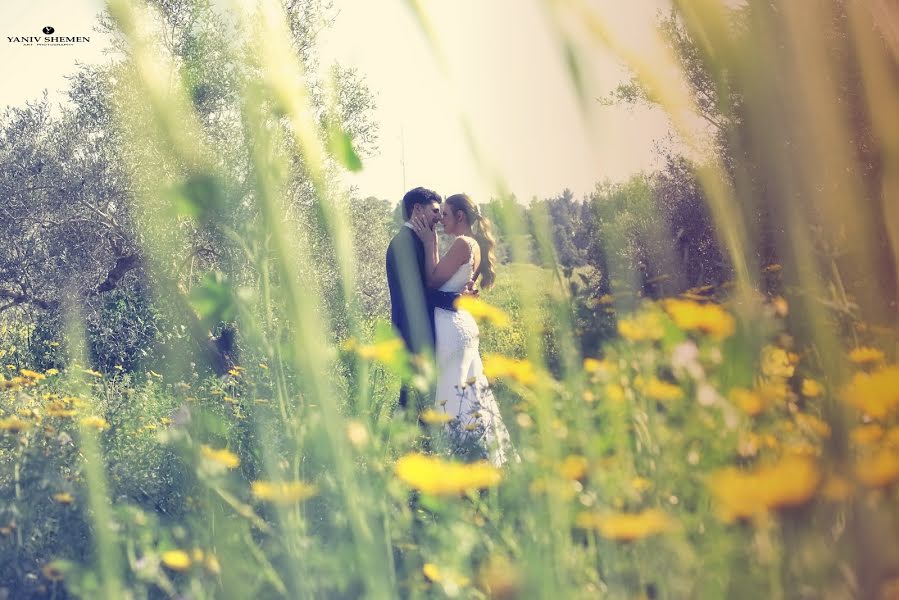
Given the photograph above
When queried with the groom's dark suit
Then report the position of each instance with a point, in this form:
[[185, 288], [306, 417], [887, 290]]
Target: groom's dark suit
[[411, 303]]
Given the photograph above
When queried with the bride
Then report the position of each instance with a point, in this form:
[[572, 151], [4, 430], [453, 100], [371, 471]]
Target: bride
[[476, 430]]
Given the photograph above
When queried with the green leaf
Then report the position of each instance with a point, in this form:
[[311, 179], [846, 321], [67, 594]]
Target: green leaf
[[199, 197], [213, 299], [340, 144]]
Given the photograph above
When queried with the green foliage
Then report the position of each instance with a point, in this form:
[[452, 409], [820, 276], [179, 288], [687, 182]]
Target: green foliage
[[239, 437]]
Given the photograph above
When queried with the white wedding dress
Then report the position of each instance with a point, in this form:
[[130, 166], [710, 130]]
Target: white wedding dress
[[477, 430]]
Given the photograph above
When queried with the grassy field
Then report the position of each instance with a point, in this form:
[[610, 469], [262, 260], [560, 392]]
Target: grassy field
[[735, 440]]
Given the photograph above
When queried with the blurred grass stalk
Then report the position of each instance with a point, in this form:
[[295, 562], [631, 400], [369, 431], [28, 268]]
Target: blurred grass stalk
[[167, 127], [107, 555]]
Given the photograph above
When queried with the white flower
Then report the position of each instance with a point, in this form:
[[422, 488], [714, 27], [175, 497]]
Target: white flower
[[685, 358]]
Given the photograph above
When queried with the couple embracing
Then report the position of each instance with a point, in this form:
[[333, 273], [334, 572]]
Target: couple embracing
[[423, 289]]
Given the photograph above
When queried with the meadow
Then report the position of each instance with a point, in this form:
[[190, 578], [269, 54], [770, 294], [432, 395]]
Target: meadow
[[699, 368]]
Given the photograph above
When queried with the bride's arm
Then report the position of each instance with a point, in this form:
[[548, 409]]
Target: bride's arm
[[439, 270]]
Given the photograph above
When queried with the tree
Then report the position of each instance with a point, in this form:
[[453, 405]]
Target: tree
[[750, 83], [73, 231]]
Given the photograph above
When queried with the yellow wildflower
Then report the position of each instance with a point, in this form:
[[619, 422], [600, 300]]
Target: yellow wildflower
[[811, 388], [708, 318], [383, 352], [497, 366], [223, 457], [263, 366], [878, 470], [749, 402], [803, 449], [433, 417], [644, 327], [176, 560], [33, 375], [574, 467], [212, 564], [773, 390], [92, 373], [13, 424], [449, 579], [614, 392], [98, 423], [58, 408], [234, 372], [865, 355], [776, 362], [482, 311], [741, 494], [593, 365], [283, 492], [438, 477], [640, 484], [626, 527], [813, 424], [866, 434], [662, 390], [876, 394], [64, 498], [51, 371]]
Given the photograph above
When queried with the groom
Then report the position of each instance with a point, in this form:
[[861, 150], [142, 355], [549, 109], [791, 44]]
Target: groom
[[411, 303]]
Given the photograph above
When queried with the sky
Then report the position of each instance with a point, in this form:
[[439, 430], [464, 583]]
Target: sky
[[502, 75]]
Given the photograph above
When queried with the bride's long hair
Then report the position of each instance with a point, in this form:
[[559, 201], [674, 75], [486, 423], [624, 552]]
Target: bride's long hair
[[483, 233]]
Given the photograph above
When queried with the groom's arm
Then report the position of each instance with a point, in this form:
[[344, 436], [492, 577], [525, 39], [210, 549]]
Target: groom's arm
[[444, 300]]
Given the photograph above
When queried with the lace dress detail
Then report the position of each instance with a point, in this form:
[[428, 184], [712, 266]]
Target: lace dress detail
[[477, 431]]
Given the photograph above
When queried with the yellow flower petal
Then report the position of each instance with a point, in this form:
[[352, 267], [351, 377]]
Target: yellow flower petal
[[707, 318], [626, 527], [876, 394], [742, 494], [878, 470], [749, 402], [574, 467], [482, 311], [438, 477], [865, 355], [64, 498], [811, 388], [223, 457], [176, 560], [433, 417], [283, 492], [662, 390], [95, 422]]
